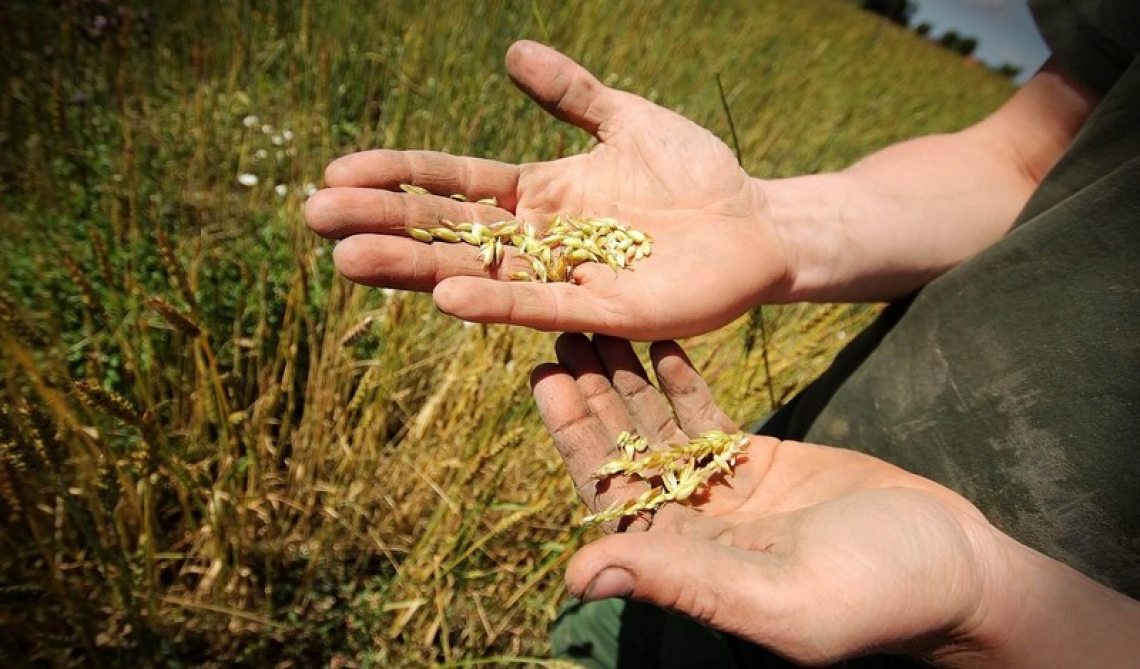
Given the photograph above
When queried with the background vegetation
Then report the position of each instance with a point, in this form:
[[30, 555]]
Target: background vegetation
[[213, 451]]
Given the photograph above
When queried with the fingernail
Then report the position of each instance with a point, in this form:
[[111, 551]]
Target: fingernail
[[611, 582]]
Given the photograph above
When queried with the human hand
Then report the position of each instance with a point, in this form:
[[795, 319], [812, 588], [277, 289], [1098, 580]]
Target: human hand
[[816, 553], [714, 253]]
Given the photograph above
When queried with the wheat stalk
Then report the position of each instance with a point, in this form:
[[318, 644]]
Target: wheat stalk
[[86, 292], [174, 268]]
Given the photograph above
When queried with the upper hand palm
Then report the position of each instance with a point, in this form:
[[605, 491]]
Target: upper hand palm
[[652, 169], [662, 174]]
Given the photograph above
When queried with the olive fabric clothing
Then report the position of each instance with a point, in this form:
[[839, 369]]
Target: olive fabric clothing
[[1013, 378]]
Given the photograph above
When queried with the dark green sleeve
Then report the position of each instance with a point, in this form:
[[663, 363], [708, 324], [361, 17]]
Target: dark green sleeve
[[1095, 40]]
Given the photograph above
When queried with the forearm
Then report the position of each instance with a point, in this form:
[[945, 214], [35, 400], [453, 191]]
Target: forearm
[[1041, 613], [895, 220]]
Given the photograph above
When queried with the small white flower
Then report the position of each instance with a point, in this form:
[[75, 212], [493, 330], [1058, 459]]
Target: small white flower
[[310, 189], [278, 140], [388, 292], [267, 129], [280, 155], [247, 179], [261, 154], [250, 121], [287, 134], [281, 190]]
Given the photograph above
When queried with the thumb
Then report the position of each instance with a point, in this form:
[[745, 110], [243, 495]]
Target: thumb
[[561, 86], [707, 581]]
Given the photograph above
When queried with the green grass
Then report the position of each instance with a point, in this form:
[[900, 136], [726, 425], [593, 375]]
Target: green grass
[[233, 485]]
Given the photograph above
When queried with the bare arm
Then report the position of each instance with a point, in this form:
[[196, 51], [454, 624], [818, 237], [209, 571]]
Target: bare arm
[[723, 241], [902, 216]]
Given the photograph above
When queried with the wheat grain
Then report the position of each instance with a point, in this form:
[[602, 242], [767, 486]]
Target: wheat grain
[[102, 258], [14, 321], [96, 396], [420, 235], [569, 241], [357, 332], [8, 492], [173, 268], [675, 473], [176, 318], [86, 292]]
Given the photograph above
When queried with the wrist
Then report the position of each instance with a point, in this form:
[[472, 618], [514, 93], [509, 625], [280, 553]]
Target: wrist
[[807, 214], [1035, 612]]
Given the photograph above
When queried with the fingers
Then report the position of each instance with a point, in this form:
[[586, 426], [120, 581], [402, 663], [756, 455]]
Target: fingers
[[710, 582], [692, 401], [617, 390], [561, 86], [582, 440], [340, 212], [650, 412], [397, 262], [542, 306], [440, 173], [577, 355]]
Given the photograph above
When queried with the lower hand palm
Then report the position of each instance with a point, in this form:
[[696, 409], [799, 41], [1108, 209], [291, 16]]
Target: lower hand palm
[[691, 196], [652, 169], [817, 553]]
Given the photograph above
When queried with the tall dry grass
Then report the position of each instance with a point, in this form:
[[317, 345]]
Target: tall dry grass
[[213, 450]]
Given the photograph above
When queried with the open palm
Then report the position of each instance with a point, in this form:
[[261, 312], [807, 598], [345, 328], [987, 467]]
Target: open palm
[[652, 169], [817, 553]]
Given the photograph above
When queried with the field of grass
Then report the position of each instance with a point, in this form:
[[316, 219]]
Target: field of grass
[[214, 451]]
